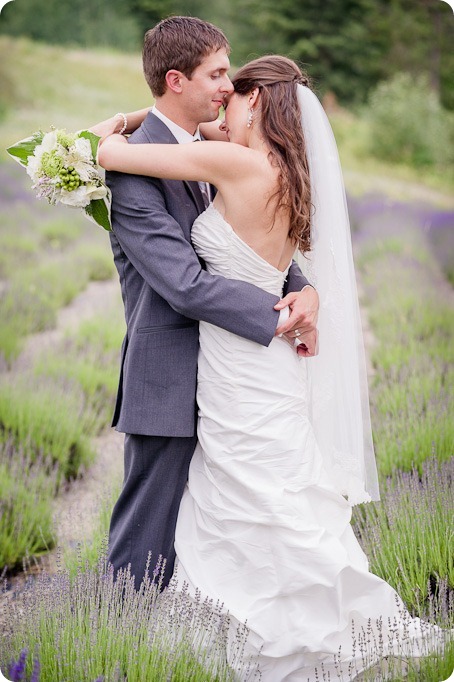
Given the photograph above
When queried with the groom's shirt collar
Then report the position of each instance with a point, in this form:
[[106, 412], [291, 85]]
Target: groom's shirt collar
[[182, 136]]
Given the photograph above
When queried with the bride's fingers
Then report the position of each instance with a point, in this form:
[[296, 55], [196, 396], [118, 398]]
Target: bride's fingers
[[307, 344]]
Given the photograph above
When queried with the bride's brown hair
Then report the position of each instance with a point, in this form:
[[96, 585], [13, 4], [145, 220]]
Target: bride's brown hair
[[280, 120]]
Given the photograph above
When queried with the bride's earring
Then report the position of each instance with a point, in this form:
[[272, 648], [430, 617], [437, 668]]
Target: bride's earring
[[249, 118]]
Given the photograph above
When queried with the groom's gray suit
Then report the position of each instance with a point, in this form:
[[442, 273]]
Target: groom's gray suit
[[165, 292]]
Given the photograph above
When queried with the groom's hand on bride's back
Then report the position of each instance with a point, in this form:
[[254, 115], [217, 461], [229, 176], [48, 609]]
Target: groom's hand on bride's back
[[301, 325]]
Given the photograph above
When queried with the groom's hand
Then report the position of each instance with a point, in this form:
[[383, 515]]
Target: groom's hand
[[301, 325]]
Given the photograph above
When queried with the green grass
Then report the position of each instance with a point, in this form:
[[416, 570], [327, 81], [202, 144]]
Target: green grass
[[414, 357], [47, 256], [46, 263], [96, 259], [49, 420], [59, 233], [27, 487], [409, 536], [421, 509], [67, 88], [14, 249], [89, 360], [88, 552], [91, 626], [67, 397], [23, 311], [104, 333], [364, 173]]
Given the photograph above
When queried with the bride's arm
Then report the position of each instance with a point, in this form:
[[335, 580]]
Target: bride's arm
[[214, 162], [115, 123], [134, 119]]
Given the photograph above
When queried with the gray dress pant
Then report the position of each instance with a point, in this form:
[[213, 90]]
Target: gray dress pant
[[145, 514]]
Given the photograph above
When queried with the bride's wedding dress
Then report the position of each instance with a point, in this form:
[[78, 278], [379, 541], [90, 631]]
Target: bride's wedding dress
[[261, 526]]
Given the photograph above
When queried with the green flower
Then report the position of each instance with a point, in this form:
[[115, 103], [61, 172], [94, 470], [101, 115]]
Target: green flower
[[51, 163], [65, 139]]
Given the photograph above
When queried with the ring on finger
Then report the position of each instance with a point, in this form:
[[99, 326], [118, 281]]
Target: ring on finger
[[297, 332]]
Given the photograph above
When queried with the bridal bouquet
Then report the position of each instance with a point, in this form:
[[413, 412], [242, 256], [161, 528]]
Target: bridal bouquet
[[63, 169]]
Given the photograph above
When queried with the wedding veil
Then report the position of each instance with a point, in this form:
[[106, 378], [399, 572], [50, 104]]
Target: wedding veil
[[338, 394]]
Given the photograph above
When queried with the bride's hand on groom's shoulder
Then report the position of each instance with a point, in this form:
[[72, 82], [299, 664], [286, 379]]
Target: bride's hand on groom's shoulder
[[301, 324], [106, 128]]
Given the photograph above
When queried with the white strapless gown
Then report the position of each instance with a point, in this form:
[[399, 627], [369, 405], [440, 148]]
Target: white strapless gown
[[261, 528]]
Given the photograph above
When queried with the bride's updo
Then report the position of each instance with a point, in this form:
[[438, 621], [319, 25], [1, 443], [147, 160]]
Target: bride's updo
[[280, 121]]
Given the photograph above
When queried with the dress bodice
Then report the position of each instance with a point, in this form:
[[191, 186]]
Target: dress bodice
[[226, 254]]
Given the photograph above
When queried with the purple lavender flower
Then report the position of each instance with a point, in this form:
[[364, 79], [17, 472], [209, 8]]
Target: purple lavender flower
[[36, 671], [17, 669]]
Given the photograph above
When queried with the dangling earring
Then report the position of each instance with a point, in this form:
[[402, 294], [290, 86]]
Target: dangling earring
[[249, 118]]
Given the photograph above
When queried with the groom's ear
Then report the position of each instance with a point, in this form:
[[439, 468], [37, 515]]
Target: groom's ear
[[174, 80]]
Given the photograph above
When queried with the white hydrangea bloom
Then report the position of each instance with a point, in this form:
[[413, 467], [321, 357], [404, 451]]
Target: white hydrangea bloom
[[82, 196], [33, 168], [34, 162], [83, 149]]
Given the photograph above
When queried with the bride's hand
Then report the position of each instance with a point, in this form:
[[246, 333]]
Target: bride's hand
[[108, 127]]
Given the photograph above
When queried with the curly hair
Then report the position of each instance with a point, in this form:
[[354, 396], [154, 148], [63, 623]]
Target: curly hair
[[280, 120]]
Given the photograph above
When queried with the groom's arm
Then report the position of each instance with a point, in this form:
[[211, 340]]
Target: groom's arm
[[296, 281], [155, 244], [303, 300]]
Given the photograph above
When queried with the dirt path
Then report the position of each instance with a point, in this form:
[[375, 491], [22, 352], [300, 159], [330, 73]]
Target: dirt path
[[75, 507]]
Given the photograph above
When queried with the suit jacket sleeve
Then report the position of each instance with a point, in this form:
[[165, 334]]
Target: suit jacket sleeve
[[295, 279], [156, 245]]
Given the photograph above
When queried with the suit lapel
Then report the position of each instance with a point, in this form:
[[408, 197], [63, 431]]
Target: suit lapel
[[194, 191], [156, 131]]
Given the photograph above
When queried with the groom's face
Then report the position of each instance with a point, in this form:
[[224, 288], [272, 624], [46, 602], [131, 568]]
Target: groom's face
[[204, 93]]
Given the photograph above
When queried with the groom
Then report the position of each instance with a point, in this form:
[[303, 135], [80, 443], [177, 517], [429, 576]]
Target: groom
[[166, 291]]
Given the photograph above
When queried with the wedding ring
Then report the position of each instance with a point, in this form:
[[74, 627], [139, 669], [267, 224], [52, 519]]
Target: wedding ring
[[297, 332]]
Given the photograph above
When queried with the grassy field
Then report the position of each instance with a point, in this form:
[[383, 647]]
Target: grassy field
[[50, 409], [67, 88]]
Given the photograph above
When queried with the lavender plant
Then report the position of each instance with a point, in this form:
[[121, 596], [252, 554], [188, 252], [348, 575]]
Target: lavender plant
[[88, 360], [45, 260], [95, 626], [412, 316], [408, 537], [27, 486], [49, 419], [16, 672]]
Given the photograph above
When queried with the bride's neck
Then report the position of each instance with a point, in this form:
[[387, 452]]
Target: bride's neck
[[257, 141]]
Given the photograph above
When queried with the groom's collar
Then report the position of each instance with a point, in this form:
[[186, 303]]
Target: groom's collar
[[180, 134]]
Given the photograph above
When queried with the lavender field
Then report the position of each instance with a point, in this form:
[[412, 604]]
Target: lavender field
[[57, 387], [404, 259]]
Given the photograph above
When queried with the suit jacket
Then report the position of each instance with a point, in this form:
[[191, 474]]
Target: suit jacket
[[165, 292]]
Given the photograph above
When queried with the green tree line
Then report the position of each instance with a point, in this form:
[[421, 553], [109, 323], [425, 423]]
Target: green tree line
[[347, 46]]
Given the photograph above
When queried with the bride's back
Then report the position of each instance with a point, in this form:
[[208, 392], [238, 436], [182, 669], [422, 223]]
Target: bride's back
[[251, 209]]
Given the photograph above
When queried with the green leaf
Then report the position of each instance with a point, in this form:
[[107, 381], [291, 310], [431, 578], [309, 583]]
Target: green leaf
[[94, 142], [25, 148], [97, 210]]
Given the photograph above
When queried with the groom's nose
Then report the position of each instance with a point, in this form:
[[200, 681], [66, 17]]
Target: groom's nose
[[227, 86]]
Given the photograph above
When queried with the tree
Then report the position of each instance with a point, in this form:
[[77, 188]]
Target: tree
[[99, 22]]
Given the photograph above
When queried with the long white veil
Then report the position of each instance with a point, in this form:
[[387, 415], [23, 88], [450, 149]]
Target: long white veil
[[338, 393]]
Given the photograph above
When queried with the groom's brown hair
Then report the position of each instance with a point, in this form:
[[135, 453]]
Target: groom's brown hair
[[179, 43]]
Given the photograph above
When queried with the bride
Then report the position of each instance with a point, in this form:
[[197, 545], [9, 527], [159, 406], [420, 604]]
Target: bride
[[284, 447]]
